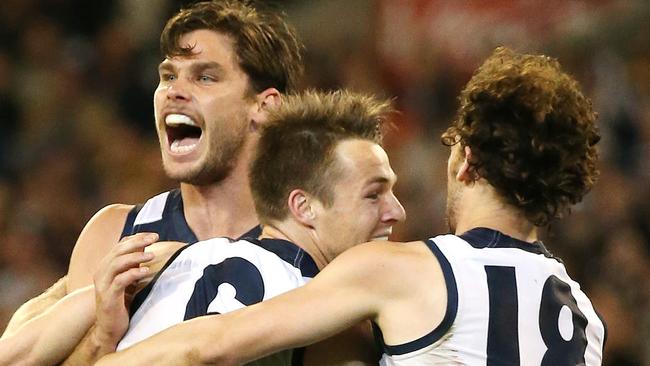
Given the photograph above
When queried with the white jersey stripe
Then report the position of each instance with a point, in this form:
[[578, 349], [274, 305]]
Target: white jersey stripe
[[152, 210]]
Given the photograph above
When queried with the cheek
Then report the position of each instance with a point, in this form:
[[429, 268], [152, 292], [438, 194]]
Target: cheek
[[158, 99], [367, 220]]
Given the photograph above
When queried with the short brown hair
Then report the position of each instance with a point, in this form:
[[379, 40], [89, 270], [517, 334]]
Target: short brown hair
[[532, 133], [296, 146], [267, 48]]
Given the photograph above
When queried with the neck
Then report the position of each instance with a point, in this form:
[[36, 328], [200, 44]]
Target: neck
[[224, 208], [481, 207], [295, 233]]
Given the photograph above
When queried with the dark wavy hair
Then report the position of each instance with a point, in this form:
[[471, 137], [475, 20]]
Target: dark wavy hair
[[532, 133], [267, 47], [297, 144]]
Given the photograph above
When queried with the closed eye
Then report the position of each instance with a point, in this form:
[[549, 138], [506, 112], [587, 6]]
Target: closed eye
[[372, 196]]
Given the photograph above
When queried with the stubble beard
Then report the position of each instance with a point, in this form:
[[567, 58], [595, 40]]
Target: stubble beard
[[217, 165]]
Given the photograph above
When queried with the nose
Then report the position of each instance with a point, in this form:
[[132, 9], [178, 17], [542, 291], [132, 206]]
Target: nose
[[394, 212], [178, 91]]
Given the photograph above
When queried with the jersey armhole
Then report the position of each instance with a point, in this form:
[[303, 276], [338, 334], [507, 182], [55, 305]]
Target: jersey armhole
[[130, 219], [450, 314]]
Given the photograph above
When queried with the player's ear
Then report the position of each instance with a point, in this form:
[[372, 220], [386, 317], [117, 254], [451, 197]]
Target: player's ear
[[300, 206], [264, 101], [466, 172]]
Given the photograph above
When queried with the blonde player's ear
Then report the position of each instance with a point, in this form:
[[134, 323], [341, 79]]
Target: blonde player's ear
[[466, 172], [300, 206], [264, 101]]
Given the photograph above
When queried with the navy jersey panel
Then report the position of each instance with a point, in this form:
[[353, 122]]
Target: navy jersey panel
[[163, 214]]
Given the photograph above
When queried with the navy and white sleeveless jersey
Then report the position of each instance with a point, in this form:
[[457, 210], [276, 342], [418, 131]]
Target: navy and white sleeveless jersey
[[508, 303], [217, 276], [163, 214]]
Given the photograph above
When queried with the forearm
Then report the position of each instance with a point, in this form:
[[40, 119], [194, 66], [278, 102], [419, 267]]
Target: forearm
[[36, 306], [177, 346], [48, 338], [89, 350]]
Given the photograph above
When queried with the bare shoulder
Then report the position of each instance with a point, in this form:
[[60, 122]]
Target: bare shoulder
[[413, 290], [101, 232], [389, 263], [389, 254]]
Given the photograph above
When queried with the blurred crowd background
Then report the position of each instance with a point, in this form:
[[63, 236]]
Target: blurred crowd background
[[76, 122]]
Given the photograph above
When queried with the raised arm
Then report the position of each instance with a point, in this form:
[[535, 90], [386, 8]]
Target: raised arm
[[346, 292]]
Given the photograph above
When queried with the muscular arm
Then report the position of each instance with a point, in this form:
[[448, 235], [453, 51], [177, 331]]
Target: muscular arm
[[48, 327], [345, 293], [36, 306], [49, 337], [120, 271], [97, 238]]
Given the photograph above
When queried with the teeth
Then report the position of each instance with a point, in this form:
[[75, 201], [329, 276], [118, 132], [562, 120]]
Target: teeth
[[176, 147], [179, 119]]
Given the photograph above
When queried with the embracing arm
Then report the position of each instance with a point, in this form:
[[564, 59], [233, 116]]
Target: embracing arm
[[96, 239], [36, 306], [30, 323], [342, 295], [99, 236], [119, 272], [49, 337]]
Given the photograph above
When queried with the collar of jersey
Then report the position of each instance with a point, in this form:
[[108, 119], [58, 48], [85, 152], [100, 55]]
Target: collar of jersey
[[482, 237], [290, 253]]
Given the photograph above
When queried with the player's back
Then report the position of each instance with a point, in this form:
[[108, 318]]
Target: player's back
[[217, 276], [509, 303]]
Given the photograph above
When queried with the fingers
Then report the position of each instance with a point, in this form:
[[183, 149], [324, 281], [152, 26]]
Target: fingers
[[127, 261], [120, 267], [135, 242], [123, 280]]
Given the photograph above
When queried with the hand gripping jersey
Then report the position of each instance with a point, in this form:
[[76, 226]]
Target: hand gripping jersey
[[509, 303], [217, 276], [163, 214]]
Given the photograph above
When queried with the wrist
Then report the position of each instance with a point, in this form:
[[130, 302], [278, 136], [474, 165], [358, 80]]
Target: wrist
[[103, 343]]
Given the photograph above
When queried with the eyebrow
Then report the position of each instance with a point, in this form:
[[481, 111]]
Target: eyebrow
[[194, 67], [165, 65], [382, 180], [205, 65]]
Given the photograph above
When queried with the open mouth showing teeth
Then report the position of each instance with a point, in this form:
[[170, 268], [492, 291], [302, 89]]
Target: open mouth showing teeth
[[182, 133]]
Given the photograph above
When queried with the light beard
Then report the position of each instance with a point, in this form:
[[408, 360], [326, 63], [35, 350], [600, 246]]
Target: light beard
[[222, 158]]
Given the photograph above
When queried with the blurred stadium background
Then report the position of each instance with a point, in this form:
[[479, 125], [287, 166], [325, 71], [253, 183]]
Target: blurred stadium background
[[76, 122]]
